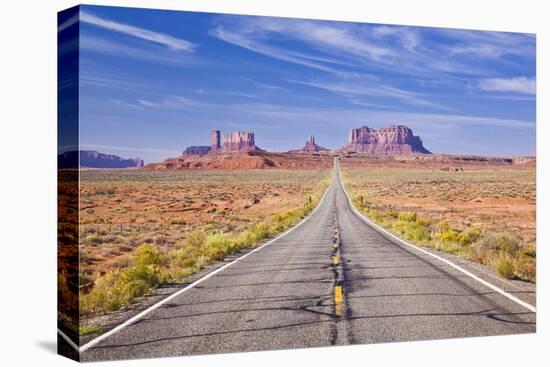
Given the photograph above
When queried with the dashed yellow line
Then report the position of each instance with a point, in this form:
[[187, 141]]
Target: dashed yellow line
[[335, 260], [338, 300]]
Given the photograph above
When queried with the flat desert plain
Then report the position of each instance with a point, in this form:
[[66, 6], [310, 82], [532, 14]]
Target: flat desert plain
[[179, 221], [484, 211]]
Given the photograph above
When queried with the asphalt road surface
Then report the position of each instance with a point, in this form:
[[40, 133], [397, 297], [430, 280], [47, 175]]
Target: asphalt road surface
[[333, 280]]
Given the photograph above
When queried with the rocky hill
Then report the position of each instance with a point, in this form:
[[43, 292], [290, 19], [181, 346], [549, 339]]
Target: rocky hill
[[310, 147], [245, 160], [395, 139], [94, 159]]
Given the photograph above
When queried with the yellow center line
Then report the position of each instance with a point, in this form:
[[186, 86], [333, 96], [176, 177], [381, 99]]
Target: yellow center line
[[335, 260], [338, 300]]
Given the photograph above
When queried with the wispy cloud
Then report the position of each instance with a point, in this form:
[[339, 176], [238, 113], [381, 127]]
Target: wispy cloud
[[173, 43], [521, 85], [160, 55], [357, 88], [250, 44], [174, 102], [487, 44], [348, 49]]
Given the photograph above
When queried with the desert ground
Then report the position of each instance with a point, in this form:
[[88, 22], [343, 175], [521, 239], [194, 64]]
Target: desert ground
[[483, 210], [141, 228], [171, 213]]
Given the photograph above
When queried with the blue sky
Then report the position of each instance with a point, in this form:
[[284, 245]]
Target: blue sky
[[153, 82]]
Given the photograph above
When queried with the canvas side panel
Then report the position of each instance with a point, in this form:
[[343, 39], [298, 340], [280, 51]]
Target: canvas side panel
[[68, 181]]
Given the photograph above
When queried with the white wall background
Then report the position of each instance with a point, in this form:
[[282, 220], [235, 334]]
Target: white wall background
[[28, 180]]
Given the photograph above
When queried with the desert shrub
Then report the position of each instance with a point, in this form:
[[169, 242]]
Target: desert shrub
[[443, 226], [470, 236], [526, 263], [528, 251], [253, 235], [500, 242], [505, 267], [526, 268], [447, 236], [453, 248], [277, 218], [120, 287], [195, 239], [217, 246], [407, 217], [411, 230], [180, 221], [146, 255], [426, 222]]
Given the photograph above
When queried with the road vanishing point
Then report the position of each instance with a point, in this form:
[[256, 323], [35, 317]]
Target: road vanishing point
[[334, 279]]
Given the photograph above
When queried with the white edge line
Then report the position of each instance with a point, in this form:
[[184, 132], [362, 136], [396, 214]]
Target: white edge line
[[133, 319], [471, 275], [67, 339]]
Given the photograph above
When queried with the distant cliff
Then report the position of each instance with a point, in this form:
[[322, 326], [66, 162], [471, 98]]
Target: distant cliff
[[94, 159], [395, 139], [239, 141]]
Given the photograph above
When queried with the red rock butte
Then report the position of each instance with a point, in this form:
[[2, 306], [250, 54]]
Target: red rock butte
[[310, 147], [394, 139], [237, 141]]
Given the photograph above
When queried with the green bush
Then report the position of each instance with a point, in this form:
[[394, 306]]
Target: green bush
[[146, 255], [217, 246], [411, 230]]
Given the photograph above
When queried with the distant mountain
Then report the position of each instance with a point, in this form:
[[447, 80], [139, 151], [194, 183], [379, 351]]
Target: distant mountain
[[395, 139], [94, 159]]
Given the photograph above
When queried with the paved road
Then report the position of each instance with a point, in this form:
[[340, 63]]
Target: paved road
[[302, 290]]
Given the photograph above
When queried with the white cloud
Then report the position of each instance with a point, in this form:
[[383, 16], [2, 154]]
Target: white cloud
[[354, 89], [173, 43], [488, 44], [522, 85], [247, 42], [161, 55], [344, 49]]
